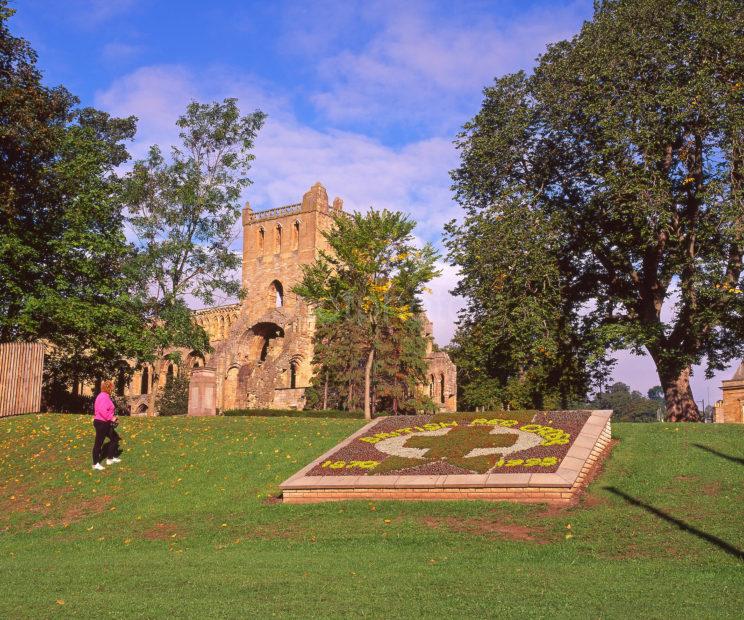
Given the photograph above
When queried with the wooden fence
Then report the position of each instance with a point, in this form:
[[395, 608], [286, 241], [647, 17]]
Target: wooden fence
[[21, 373]]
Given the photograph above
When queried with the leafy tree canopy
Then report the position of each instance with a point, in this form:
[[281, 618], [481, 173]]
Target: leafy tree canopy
[[183, 210], [369, 282], [625, 152], [63, 255]]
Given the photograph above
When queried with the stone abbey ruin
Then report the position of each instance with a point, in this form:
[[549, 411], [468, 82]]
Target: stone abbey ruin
[[262, 348]]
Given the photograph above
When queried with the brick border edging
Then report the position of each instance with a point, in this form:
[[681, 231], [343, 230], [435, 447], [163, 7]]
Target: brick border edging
[[560, 487]]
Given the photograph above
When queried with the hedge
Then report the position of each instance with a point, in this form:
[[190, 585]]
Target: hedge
[[273, 413]]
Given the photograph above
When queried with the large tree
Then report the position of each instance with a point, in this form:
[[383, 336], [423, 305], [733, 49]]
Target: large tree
[[183, 210], [627, 143], [63, 254], [371, 280]]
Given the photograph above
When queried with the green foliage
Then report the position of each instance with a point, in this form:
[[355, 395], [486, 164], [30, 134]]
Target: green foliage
[[619, 166], [174, 399], [366, 294], [64, 274], [294, 413], [183, 210], [626, 405]]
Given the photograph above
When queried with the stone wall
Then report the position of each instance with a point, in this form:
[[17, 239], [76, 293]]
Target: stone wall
[[731, 408], [263, 347]]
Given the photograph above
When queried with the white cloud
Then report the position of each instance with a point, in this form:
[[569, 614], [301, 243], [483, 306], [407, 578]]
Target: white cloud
[[92, 13], [422, 69], [290, 157], [441, 307]]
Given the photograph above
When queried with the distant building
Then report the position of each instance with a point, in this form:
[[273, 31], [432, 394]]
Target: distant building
[[731, 408], [263, 347]]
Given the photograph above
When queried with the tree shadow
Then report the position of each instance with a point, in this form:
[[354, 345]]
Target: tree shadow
[[723, 455], [685, 527]]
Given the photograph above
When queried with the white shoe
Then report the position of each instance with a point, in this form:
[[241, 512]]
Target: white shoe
[[112, 461], [99, 467]]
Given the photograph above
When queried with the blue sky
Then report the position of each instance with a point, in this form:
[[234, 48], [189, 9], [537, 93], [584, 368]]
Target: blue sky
[[365, 97]]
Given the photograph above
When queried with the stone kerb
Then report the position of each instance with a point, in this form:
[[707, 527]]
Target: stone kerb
[[560, 487]]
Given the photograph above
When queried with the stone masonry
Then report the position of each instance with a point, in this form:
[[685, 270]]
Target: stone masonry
[[262, 347], [731, 408]]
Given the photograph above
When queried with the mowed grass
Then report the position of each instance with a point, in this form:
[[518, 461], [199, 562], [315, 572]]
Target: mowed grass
[[187, 526]]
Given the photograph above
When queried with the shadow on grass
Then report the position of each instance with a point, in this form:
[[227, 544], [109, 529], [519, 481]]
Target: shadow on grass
[[723, 455], [685, 527]]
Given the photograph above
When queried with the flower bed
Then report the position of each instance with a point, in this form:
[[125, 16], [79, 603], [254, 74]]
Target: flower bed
[[451, 444]]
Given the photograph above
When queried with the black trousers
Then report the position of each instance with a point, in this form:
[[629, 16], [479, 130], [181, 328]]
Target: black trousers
[[104, 430]]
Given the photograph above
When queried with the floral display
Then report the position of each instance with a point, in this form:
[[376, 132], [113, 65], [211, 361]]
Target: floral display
[[510, 442]]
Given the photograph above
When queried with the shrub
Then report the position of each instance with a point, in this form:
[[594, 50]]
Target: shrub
[[175, 397], [273, 413]]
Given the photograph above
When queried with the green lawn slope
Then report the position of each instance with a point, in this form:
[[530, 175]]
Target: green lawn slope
[[188, 526]]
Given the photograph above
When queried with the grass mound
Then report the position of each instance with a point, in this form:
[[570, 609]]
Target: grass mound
[[188, 526]]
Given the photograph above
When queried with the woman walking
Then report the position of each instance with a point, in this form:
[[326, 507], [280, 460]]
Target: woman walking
[[104, 421]]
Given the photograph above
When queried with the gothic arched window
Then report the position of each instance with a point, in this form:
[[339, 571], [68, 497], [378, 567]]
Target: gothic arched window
[[293, 374], [278, 239], [261, 236], [296, 235], [276, 291], [145, 382]]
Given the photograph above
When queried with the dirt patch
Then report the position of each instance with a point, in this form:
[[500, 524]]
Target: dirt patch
[[686, 478], [272, 499], [490, 528], [81, 509], [51, 507], [163, 531], [712, 489]]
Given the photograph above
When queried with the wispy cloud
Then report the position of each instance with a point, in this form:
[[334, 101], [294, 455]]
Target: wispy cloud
[[291, 156], [91, 13], [424, 68]]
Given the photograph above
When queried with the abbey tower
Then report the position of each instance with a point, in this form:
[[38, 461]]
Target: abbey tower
[[262, 347]]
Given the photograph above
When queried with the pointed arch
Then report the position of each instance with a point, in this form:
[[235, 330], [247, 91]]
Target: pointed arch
[[260, 242], [276, 294], [296, 235], [145, 381], [278, 239]]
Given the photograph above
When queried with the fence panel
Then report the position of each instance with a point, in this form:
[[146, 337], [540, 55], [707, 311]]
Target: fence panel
[[21, 374]]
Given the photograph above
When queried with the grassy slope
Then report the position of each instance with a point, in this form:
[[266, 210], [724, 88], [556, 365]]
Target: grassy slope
[[183, 528]]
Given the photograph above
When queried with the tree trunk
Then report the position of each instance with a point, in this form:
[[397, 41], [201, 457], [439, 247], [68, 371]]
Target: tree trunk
[[325, 392], [680, 404], [368, 384]]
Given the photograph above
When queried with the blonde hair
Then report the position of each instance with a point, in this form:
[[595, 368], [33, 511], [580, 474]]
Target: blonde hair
[[108, 387]]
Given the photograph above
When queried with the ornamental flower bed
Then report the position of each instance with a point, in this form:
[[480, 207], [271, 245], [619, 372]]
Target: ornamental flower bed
[[451, 444]]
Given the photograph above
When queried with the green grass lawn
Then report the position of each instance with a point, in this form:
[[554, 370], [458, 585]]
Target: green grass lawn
[[187, 526]]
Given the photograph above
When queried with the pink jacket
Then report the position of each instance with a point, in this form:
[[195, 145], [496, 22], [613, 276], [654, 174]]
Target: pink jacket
[[104, 408]]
